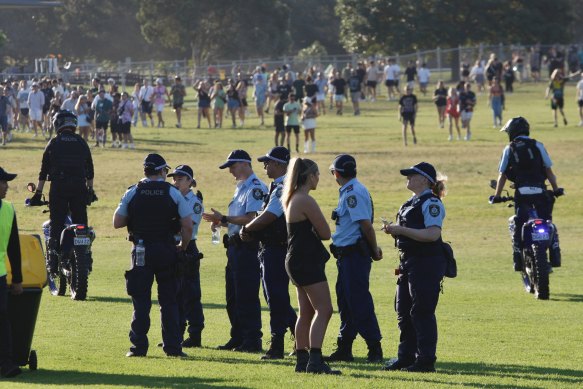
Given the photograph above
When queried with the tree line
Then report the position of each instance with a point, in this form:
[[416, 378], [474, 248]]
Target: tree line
[[209, 30]]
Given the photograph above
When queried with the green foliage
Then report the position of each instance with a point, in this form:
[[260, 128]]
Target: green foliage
[[314, 50], [399, 25], [491, 333]]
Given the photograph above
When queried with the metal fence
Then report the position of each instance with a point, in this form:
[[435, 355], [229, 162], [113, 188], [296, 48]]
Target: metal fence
[[445, 63]]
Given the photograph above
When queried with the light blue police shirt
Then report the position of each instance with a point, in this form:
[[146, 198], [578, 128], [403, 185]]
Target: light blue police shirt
[[274, 205], [433, 211], [354, 205], [248, 197], [197, 208], [183, 208], [506, 155]]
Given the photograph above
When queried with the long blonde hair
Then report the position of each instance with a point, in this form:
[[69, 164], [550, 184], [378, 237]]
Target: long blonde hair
[[439, 188], [298, 172]]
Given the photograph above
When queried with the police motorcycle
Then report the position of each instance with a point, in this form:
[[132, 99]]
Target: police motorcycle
[[75, 257], [537, 238]]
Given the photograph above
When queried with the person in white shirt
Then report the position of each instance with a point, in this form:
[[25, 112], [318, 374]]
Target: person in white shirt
[[392, 73], [36, 101], [71, 101], [580, 99], [371, 81], [423, 75], [22, 97], [145, 99]]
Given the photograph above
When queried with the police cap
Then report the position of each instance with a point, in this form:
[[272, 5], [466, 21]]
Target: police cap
[[5, 176], [236, 156], [423, 168], [344, 164], [278, 154], [155, 161]]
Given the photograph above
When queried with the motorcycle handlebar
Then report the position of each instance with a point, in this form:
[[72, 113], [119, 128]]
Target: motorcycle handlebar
[[500, 199]]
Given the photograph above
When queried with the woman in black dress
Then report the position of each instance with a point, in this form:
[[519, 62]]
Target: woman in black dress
[[305, 262]]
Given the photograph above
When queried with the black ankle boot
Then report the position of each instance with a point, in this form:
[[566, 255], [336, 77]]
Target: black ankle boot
[[302, 357], [343, 351], [275, 349], [316, 364], [375, 352]]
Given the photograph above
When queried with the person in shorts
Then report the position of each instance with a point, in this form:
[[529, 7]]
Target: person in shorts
[[339, 84], [145, 98], [114, 122], [292, 110], [408, 110], [36, 101], [178, 91], [103, 107], [279, 120]]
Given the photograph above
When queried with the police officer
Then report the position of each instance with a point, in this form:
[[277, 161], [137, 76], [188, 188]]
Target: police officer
[[271, 230], [153, 211], [527, 164], [353, 245], [422, 267], [189, 296], [242, 271], [9, 244], [67, 163]]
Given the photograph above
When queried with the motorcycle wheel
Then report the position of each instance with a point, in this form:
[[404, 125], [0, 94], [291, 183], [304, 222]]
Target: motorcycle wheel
[[527, 271], [57, 285], [541, 284], [79, 276]]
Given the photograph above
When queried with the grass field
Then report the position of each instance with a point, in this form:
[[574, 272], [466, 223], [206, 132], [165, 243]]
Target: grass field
[[491, 333]]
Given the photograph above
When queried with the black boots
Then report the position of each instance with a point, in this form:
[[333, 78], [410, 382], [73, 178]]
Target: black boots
[[375, 352], [343, 352], [275, 349], [316, 364], [193, 340], [302, 357], [231, 344]]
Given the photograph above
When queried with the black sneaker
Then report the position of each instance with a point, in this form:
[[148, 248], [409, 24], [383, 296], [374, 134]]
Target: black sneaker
[[230, 345]]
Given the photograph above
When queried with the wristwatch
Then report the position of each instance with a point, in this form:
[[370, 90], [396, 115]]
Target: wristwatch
[[224, 219]]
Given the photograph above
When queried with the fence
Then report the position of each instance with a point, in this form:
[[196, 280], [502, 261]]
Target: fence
[[444, 63]]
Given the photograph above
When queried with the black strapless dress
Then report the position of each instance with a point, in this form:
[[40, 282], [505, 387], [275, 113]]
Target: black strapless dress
[[306, 255]]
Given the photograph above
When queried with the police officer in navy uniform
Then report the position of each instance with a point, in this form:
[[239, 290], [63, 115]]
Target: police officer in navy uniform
[[153, 211], [271, 230], [527, 164], [354, 246], [67, 163], [189, 295], [417, 232], [242, 272]]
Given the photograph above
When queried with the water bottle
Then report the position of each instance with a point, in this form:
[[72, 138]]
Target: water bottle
[[140, 253], [216, 235]]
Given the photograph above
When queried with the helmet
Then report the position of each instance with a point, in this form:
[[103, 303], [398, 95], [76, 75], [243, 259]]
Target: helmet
[[64, 119], [515, 127]]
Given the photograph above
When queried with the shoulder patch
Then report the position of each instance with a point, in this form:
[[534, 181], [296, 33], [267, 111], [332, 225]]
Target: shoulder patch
[[278, 192], [256, 181], [351, 201], [434, 210], [197, 208], [349, 188], [257, 194]]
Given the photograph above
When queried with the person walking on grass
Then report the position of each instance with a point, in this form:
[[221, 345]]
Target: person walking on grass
[[408, 112]]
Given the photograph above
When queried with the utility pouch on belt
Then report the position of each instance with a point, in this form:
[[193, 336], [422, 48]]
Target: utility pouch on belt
[[450, 263], [335, 251], [226, 241]]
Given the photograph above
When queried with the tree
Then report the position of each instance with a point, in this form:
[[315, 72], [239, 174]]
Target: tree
[[213, 29], [399, 25]]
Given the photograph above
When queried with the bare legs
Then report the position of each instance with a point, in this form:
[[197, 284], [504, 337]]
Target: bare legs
[[315, 311]]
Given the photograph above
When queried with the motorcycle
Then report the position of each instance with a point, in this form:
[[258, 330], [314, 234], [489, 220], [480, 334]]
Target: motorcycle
[[74, 257], [538, 237]]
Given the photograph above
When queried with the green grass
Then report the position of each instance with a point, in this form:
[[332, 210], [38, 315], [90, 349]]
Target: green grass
[[491, 333]]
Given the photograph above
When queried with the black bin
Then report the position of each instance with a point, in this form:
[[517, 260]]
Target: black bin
[[23, 310]]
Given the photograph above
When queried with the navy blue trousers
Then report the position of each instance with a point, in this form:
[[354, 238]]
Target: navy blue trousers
[[276, 288], [418, 289], [189, 298], [355, 304], [5, 330], [242, 279], [160, 263]]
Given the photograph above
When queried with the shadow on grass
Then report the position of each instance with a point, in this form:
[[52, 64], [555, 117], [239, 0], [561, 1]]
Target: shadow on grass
[[82, 378], [128, 300], [577, 298], [535, 374]]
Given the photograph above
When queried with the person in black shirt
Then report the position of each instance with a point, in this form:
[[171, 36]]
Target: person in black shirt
[[283, 89], [311, 89], [408, 111], [467, 103], [354, 84], [410, 74], [440, 100], [339, 85], [298, 86], [279, 120], [67, 163], [49, 94], [9, 244]]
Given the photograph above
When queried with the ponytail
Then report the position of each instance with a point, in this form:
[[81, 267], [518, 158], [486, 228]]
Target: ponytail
[[298, 172], [439, 188]]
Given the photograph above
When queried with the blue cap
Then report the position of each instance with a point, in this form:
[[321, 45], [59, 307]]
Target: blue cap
[[236, 156], [423, 168], [155, 161], [278, 154], [344, 163]]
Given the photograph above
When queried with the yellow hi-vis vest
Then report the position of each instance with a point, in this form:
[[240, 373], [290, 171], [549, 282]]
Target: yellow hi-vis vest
[[6, 218]]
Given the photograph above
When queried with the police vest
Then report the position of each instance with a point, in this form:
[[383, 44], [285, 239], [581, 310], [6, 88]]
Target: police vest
[[68, 157], [411, 215], [276, 232], [152, 213], [525, 164], [6, 218]]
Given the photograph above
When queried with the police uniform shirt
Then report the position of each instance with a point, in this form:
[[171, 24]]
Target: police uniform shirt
[[197, 208], [248, 197], [274, 205], [354, 205], [184, 209], [506, 155], [432, 209]]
